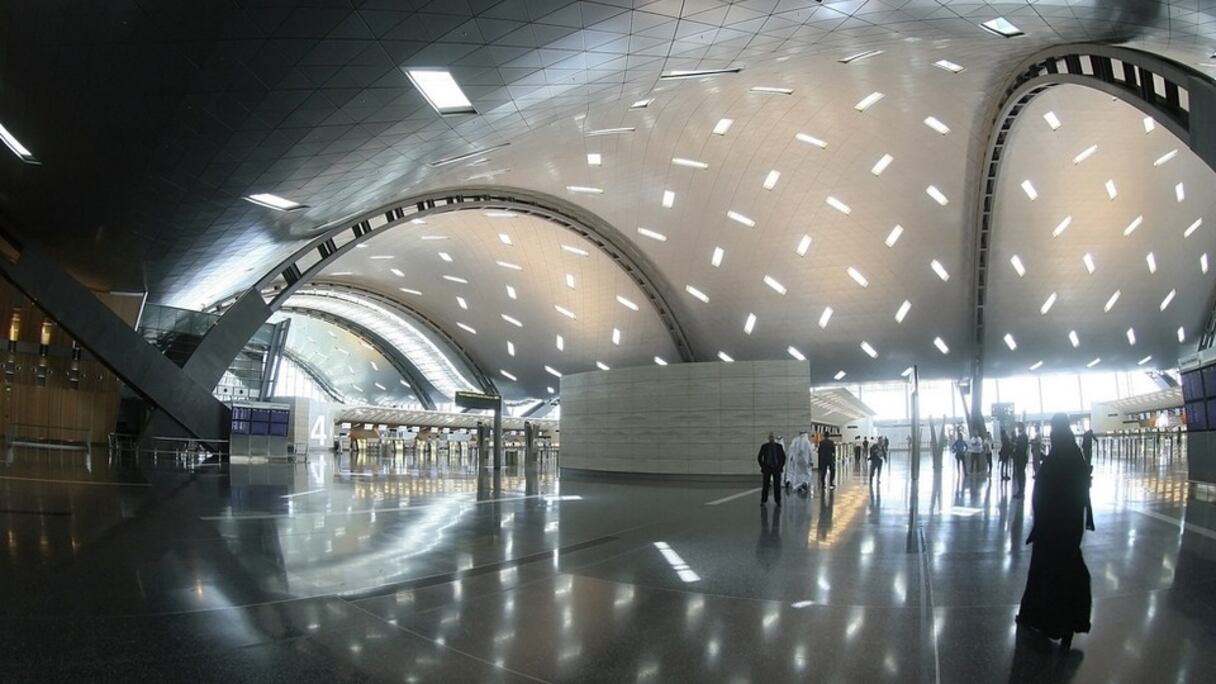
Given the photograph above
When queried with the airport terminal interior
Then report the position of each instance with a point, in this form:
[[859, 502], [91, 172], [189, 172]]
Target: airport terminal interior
[[608, 341]]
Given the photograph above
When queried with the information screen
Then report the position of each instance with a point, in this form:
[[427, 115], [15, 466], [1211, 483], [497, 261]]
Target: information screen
[[1209, 381], [1196, 416], [1192, 386]]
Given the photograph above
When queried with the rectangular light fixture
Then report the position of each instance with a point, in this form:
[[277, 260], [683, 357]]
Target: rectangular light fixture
[[594, 159], [505, 239], [1052, 120], [893, 236], [1180, 192], [669, 199], [602, 366], [616, 336], [839, 376], [575, 250], [857, 277], [869, 350], [1010, 342], [467, 155], [1028, 188], [381, 257], [774, 284], [1143, 361], [654, 235], [1149, 125], [1111, 191], [627, 303], [726, 358], [795, 353], [1203, 262], [1002, 27], [1093, 363], [500, 214], [511, 292], [23, 153], [507, 375], [560, 343], [1165, 158], [1088, 260], [1047, 304], [716, 259], [456, 279], [1131, 336], [585, 190], [1168, 298], [723, 126], [934, 123], [397, 272], [937, 195], [740, 218], [510, 266], [689, 163], [564, 311], [825, 317], [1151, 261], [1085, 154], [770, 181], [860, 56], [462, 303], [570, 280], [597, 132], [902, 312], [433, 237], [811, 140], [677, 74], [1063, 226], [1131, 227], [1036, 365], [265, 199], [804, 245], [696, 293], [947, 65], [441, 91], [1181, 334], [467, 328], [1073, 339], [552, 371], [1016, 262], [511, 348], [941, 345], [868, 101], [750, 324], [939, 270], [642, 104], [772, 90], [446, 257], [882, 164], [410, 291], [1192, 228], [838, 205], [658, 361]]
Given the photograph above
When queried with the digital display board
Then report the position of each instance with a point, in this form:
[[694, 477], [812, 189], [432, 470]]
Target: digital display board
[[256, 421], [1209, 381], [1196, 416], [1192, 386]]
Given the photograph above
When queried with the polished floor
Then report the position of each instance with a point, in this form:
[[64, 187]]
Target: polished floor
[[401, 569]]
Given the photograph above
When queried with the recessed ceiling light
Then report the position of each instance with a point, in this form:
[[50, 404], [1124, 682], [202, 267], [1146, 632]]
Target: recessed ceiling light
[[934, 123], [1052, 120], [669, 199], [1181, 334], [500, 214], [1047, 304], [434, 237], [342, 273], [882, 164], [462, 303], [564, 311], [507, 375], [1010, 342], [1168, 298], [811, 140], [690, 163], [1062, 226], [860, 56], [380, 387], [1192, 228], [456, 279], [716, 259], [1016, 262], [509, 265], [654, 235], [893, 236], [838, 205], [868, 101], [1036, 365], [1088, 260], [597, 132], [512, 320], [947, 65], [441, 91], [1143, 361], [407, 290], [552, 371], [1001, 27], [677, 74], [23, 153], [1131, 337], [616, 336], [1072, 338], [560, 343], [1028, 188], [839, 375], [1179, 192], [1203, 262], [550, 390], [939, 270], [725, 357], [570, 280], [659, 361], [750, 324], [941, 345], [770, 181], [511, 292], [602, 366], [627, 303], [1151, 261], [510, 348], [594, 159], [723, 126], [804, 245], [1165, 158], [773, 283], [642, 104], [1149, 125], [772, 90], [869, 350], [902, 313], [825, 317], [446, 257], [1093, 363], [585, 190], [1110, 302], [795, 353], [857, 277], [1131, 227], [397, 272], [1111, 191], [265, 199], [468, 328], [381, 257], [575, 250], [740, 218], [418, 222], [696, 293], [937, 195], [1085, 154]]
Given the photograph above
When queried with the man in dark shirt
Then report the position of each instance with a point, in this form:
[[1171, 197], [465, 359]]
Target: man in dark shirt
[[827, 460], [1021, 456], [772, 461]]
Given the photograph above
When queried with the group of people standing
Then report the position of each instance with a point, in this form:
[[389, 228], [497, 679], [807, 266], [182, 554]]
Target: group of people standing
[[792, 468]]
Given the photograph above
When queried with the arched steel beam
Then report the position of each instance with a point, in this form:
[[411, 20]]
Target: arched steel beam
[[1180, 98], [480, 376], [422, 388]]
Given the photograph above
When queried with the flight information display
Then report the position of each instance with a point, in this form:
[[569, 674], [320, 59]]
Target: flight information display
[[1199, 397]]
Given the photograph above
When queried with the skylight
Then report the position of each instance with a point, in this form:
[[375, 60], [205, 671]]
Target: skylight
[[726, 358], [857, 277], [772, 90], [804, 245], [860, 56], [511, 292], [659, 361], [1047, 304], [1052, 120], [434, 237], [1072, 338], [947, 65], [1203, 262], [1111, 301], [1085, 154], [939, 270], [510, 348], [750, 324], [811, 140], [597, 132], [696, 293], [690, 163], [456, 279], [1111, 191], [463, 304], [1088, 260], [1010, 342], [575, 250], [740, 218], [937, 195], [839, 376], [825, 317], [941, 345], [770, 181], [1168, 298], [1151, 261], [1131, 337], [627, 303], [468, 328], [585, 190], [381, 257], [1001, 27], [677, 74], [1036, 365], [1192, 228], [936, 124], [902, 313], [1016, 262], [1179, 192], [1028, 188], [265, 199], [869, 350], [560, 343], [723, 126], [446, 257], [1165, 158], [642, 104], [795, 353], [1149, 125], [594, 159], [407, 290], [508, 376], [669, 199], [838, 205], [882, 164], [500, 214], [552, 371], [397, 272], [1181, 334], [654, 235], [868, 101], [570, 280], [563, 311], [616, 336], [1093, 363], [513, 321], [1061, 227], [23, 153], [510, 266], [773, 283], [893, 236], [1143, 361], [1131, 227], [716, 259], [602, 366], [441, 91]]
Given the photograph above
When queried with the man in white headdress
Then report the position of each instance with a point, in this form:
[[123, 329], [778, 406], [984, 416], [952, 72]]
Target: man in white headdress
[[800, 462]]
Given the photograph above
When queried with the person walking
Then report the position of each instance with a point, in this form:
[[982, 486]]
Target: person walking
[[1087, 446], [857, 453], [877, 456], [988, 451], [1021, 455], [1005, 454], [959, 447], [865, 453], [799, 472], [1057, 600], [827, 461], [772, 461]]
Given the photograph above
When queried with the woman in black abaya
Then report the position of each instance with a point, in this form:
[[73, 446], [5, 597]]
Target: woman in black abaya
[[1057, 600]]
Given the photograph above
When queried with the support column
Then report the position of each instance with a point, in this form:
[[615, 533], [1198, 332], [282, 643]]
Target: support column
[[498, 436]]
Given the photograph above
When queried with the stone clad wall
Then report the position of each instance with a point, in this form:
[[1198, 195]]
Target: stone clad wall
[[687, 418]]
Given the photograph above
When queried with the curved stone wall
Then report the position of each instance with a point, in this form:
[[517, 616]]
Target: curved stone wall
[[681, 419]]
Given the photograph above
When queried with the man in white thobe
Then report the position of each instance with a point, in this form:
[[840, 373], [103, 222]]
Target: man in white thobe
[[800, 462]]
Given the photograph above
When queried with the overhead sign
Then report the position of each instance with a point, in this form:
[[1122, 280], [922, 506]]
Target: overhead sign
[[476, 400]]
